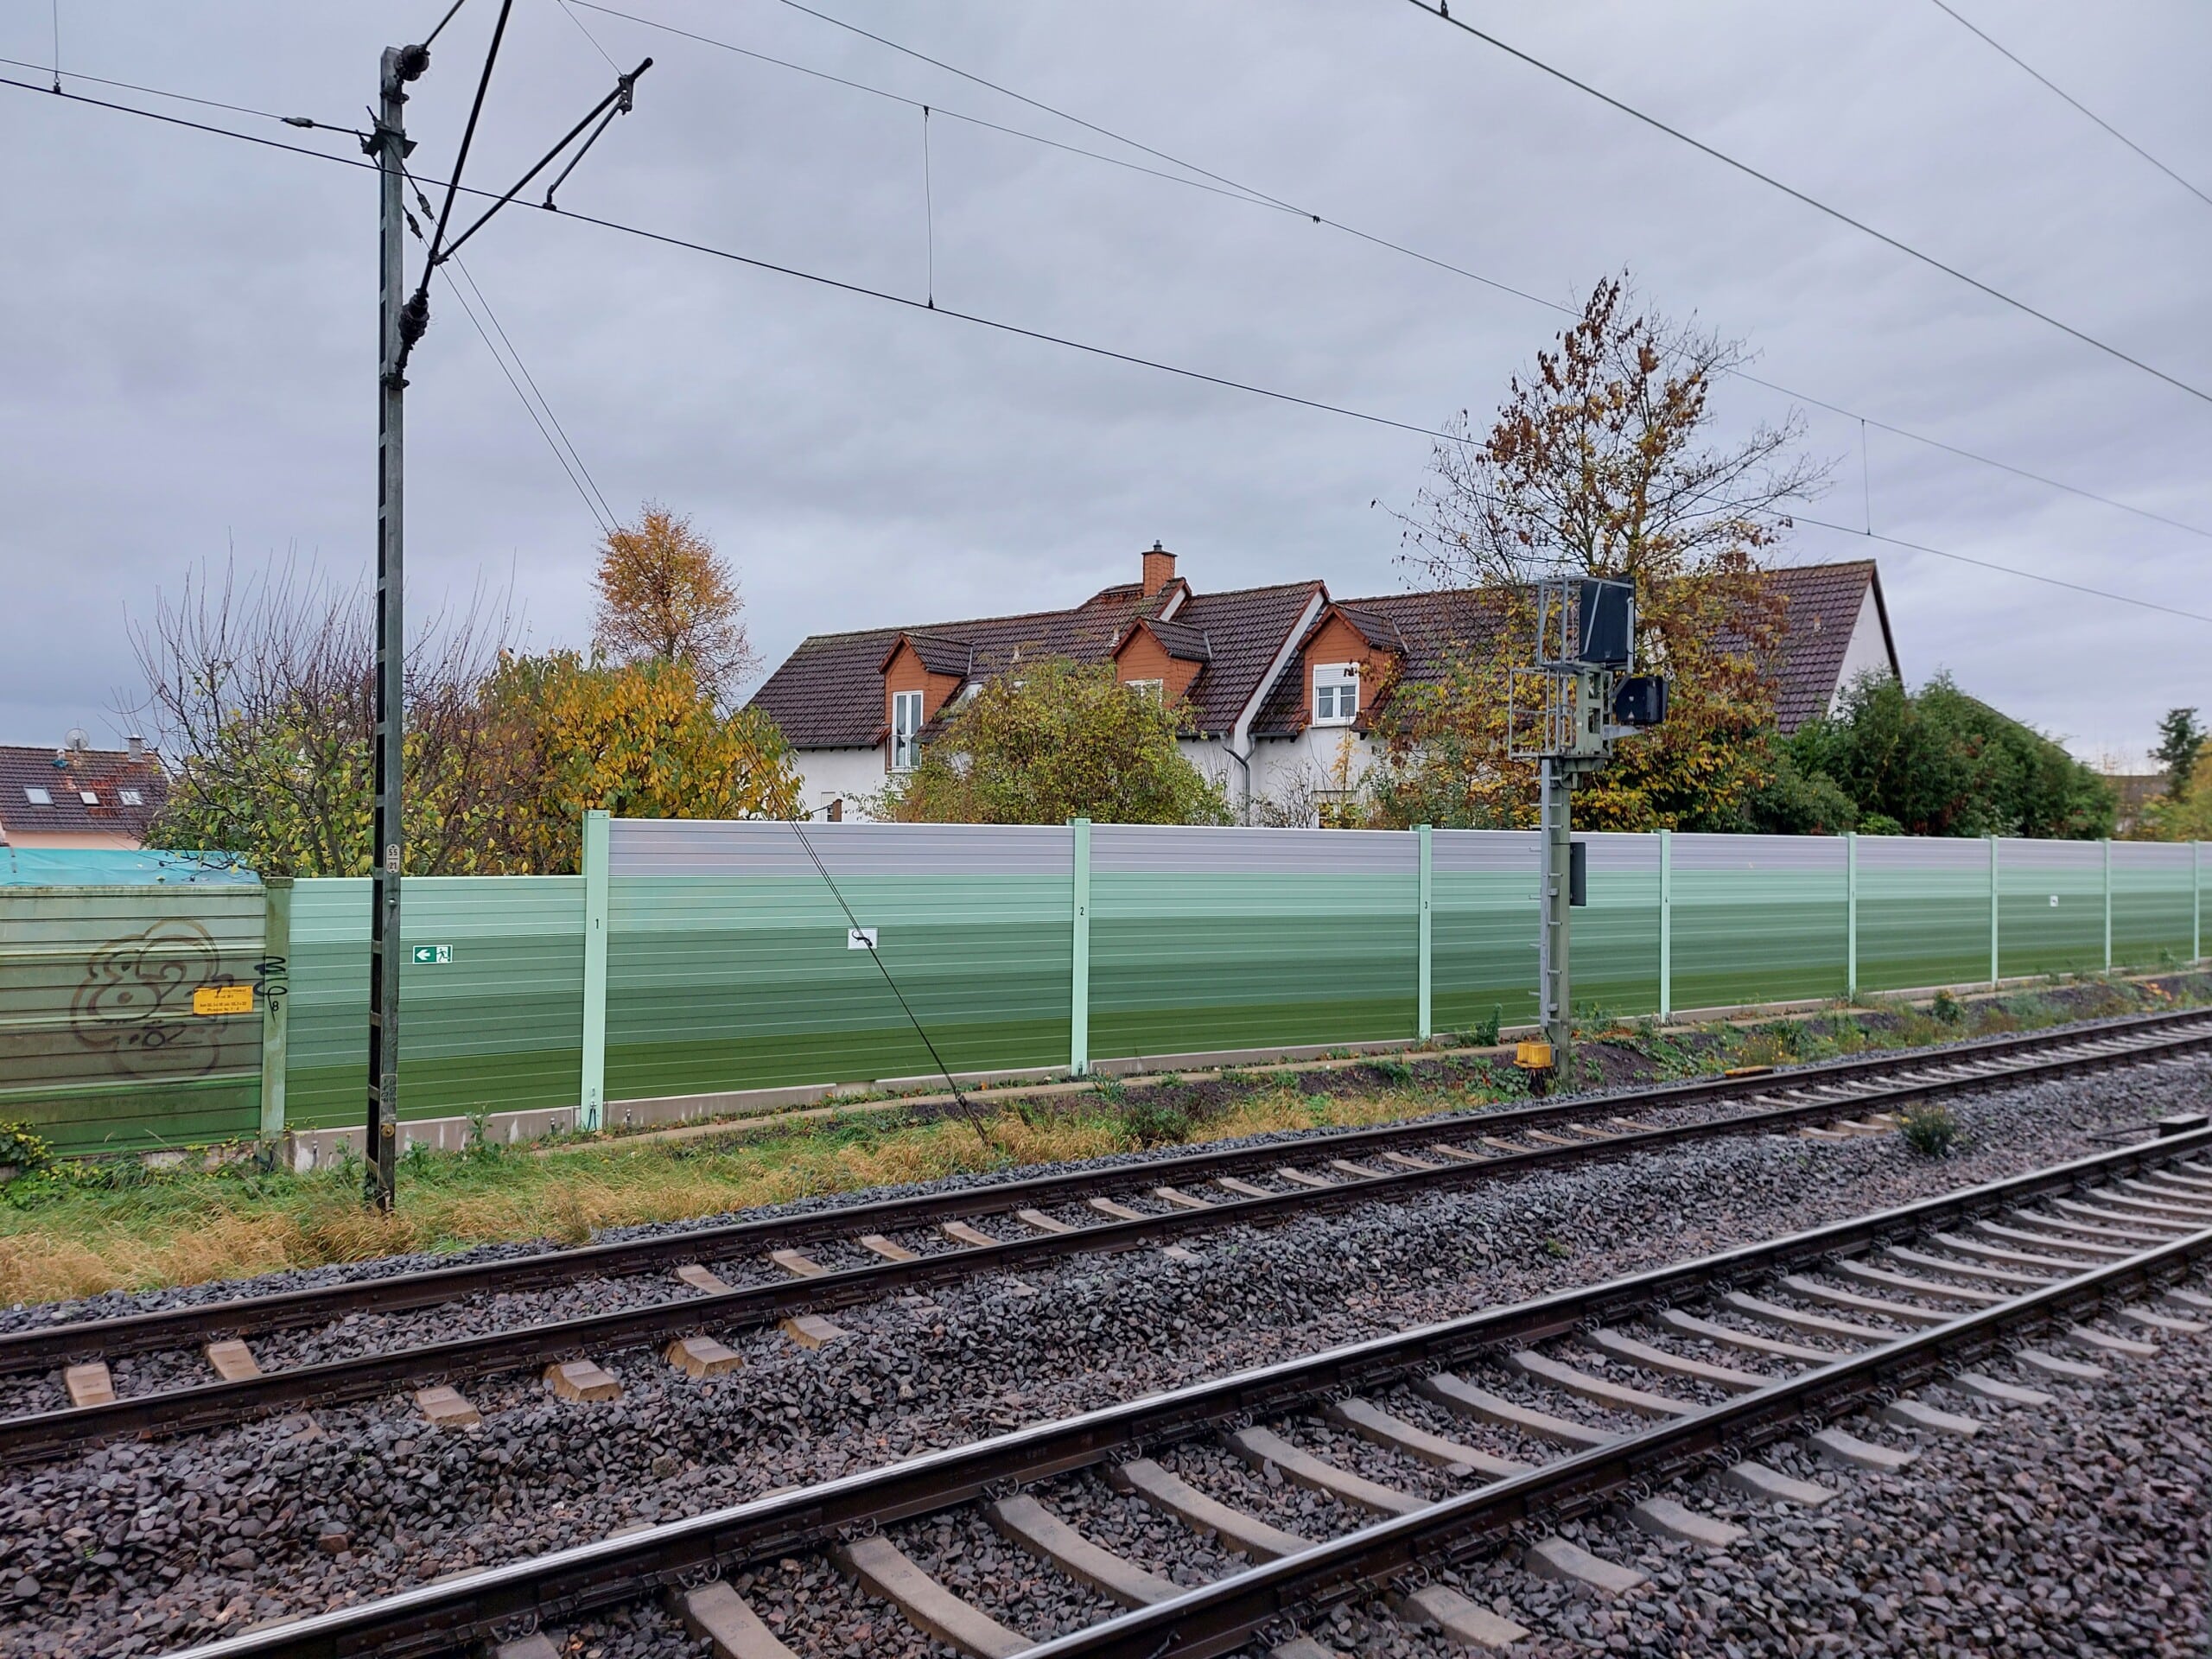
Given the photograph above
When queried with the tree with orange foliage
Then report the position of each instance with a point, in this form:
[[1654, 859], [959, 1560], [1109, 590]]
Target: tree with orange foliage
[[664, 595]]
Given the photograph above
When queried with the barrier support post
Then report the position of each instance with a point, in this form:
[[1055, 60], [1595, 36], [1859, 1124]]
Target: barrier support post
[[1666, 924], [1851, 915], [1994, 975], [2107, 847], [1079, 995], [591, 1113], [275, 985], [1423, 1026]]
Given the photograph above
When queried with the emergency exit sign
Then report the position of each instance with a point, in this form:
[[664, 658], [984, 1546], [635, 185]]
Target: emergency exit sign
[[430, 955]]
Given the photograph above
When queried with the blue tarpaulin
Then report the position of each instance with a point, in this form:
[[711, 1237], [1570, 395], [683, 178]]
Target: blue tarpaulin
[[60, 867]]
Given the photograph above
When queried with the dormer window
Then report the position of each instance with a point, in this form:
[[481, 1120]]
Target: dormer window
[[1336, 693], [1153, 690], [905, 729]]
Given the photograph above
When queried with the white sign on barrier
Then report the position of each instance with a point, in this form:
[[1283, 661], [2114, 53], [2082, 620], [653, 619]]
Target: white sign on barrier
[[860, 938]]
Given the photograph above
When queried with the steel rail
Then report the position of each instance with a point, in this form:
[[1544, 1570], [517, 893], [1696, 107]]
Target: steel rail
[[332, 1383], [439, 1618], [44, 1346], [1222, 1616]]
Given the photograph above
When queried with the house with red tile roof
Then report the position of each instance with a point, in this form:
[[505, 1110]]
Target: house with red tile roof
[[80, 797], [1279, 686]]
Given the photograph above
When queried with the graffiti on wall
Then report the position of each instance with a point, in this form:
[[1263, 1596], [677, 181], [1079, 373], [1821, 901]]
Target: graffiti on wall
[[136, 1002]]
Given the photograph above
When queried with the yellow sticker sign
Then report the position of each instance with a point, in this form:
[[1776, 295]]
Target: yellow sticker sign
[[223, 998]]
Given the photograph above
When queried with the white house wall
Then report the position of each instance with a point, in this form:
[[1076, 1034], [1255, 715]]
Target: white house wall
[[1868, 650], [1319, 760], [849, 775]]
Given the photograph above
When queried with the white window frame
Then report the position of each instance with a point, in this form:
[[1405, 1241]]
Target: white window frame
[[905, 727], [1336, 693], [1156, 690], [89, 797], [38, 795], [134, 797]]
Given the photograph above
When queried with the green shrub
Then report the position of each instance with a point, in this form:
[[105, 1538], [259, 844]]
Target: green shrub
[[1945, 1009], [1929, 1130], [27, 1152], [1148, 1121], [1484, 1033]]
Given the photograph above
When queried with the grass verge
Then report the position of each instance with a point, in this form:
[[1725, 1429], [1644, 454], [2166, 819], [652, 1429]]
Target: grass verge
[[73, 1230]]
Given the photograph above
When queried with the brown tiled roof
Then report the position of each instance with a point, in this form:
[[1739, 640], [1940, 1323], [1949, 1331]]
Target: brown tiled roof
[[1821, 607], [103, 774], [1821, 604], [1427, 626], [1180, 641], [828, 694], [1248, 629], [939, 655]]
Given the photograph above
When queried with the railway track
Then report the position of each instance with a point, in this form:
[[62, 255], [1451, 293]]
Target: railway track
[[907, 1244], [1431, 1451]]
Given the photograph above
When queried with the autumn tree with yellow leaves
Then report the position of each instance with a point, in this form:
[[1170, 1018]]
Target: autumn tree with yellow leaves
[[641, 740], [664, 595]]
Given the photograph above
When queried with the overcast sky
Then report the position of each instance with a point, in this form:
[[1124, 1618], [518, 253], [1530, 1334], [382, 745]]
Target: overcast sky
[[188, 322]]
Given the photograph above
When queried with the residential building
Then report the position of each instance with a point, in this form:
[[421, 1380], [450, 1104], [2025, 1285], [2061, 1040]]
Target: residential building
[[80, 797], [1280, 686]]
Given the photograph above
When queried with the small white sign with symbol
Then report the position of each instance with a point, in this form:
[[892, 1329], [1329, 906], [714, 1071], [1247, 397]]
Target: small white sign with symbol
[[860, 938]]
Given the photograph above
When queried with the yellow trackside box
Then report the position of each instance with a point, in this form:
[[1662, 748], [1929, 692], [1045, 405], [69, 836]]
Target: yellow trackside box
[[1533, 1056]]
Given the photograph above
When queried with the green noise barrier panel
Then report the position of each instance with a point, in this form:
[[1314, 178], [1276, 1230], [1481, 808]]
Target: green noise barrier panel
[[712, 959], [704, 959], [732, 962], [130, 1006], [1924, 912], [1204, 939], [491, 986]]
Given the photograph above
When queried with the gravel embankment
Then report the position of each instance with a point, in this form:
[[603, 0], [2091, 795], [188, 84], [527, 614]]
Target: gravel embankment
[[142, 1547], [2079, 1528]]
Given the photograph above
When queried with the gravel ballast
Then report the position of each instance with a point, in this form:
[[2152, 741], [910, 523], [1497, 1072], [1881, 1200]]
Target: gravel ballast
[[143, 1547]]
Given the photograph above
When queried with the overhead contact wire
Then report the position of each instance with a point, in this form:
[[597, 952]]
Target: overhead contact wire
[[997, 326]]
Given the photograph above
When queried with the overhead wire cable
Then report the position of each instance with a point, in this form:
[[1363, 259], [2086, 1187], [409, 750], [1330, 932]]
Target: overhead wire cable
[[1237, 191], [603, 520], [1441, 11], [2049, 84], [430, 39], [569, 12], [2007, 569], [1234, 192], [1012, 330], [187, 98]]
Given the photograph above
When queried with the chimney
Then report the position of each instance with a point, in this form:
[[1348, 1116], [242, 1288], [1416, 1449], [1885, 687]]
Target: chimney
[[137, 746], [1158, 569]]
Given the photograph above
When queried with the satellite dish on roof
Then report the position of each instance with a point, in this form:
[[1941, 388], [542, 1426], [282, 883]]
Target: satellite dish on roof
[[77, 740]]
